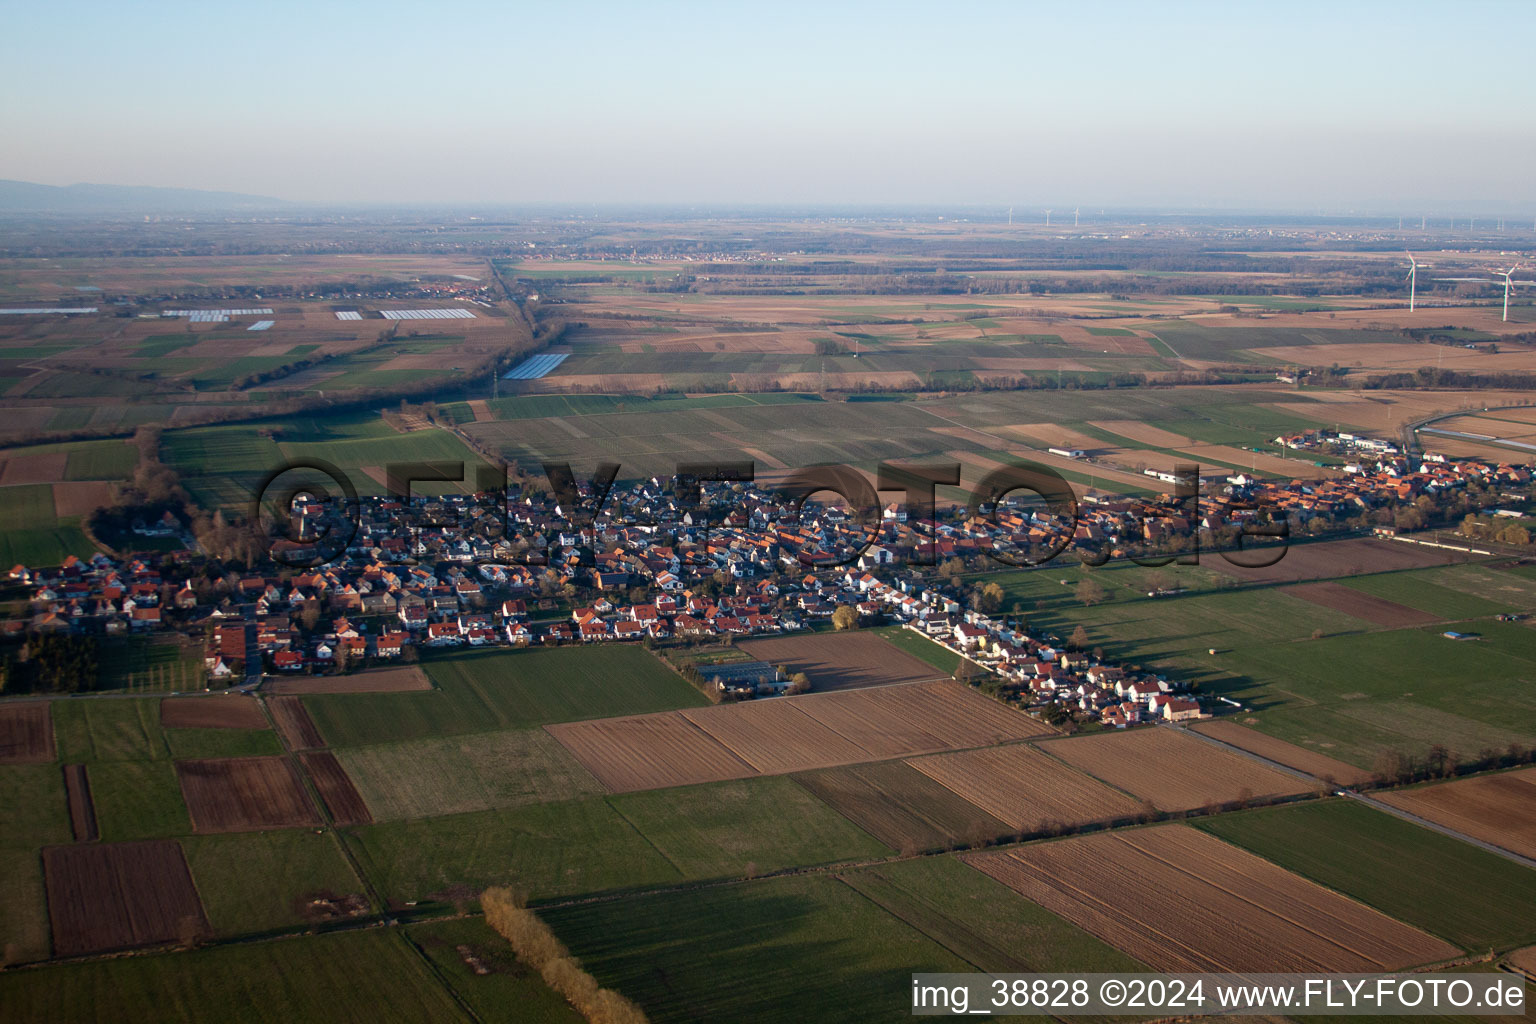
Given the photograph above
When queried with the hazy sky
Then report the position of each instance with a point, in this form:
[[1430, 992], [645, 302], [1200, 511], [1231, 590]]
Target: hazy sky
[[1282, 104]]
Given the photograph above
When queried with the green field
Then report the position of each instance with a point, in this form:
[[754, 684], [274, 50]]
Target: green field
[[741, 828], [542, 850], [358, 977], [783, 949], [920, 647], [137, 800], [982, 920], [510, 993], [31, 533], [1316, 677], [456, 774], [33, 814], [100, 460], [1465, 895], [257, 882], [150, 664], [108, 729], [482, 691], [188, 744], [549, 850]]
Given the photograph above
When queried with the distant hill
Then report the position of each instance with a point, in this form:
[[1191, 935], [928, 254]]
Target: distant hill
[[28, 197]]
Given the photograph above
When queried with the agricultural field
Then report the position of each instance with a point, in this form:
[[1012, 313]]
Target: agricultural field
[[1300, 758], [109, 896], [480, 968], [294, 724], [33, 814], [403, 679], [900, 806], [841, 662], [82, 811], [356, 977], [1168, 896], [455, 774], [1468, 896], [26, 734], [1028, 790], [1498, 809], [226, 712], [342, 801], [1172, 770], [787, 735], [1311, 675], [244, 794], [484, 691], [700, 954], [982, 920], [263, 882]]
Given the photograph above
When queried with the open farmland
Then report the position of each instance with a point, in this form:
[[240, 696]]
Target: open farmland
[[483, 691], [385, 680], [116, 895], [258, 882], [1525, 960], [244, 794], [1469, 896], [26, 734], [1180, 900], [293, 722], [700, 954], [1498, 809], [1340, 598], [341, 798], [33, 814], [82, 813], [900, 806], [455, 774], [1289, 754], [352, 977], [977, 918], [790, 734], [224, 712], [841, 661], [1174, 771], [1028, 790], [649, 752]]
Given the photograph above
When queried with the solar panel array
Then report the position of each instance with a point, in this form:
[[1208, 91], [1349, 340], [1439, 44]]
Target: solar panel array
[[51, 309], [261, 325], [349, 314], [535, 367], [427, 314]]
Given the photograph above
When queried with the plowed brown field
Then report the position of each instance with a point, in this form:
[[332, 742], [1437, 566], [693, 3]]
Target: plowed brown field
[[341, 797], [1498, 809], [648, 752], [786, 734], [244, 794], [1174, 771], [82, 812], [293, 722], [26, 734], [1025, 788], [384, 680], [1289, 754], [1339, 598], [1182, 900], [211, 713], [119, 895]]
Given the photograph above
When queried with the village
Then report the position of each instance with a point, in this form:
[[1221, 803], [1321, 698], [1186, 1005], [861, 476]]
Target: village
[[651, 568]]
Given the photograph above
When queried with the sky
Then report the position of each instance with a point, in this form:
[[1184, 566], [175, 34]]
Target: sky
[[1340, 106]]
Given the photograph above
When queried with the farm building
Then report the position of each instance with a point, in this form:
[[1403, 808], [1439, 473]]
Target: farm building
[[745, 677]]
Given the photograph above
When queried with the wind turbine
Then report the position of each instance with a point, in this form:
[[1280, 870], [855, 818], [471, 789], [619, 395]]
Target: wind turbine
[[1010, 216], [1075, 212], [1507, 275], [1413, 278], [1047, 218]]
